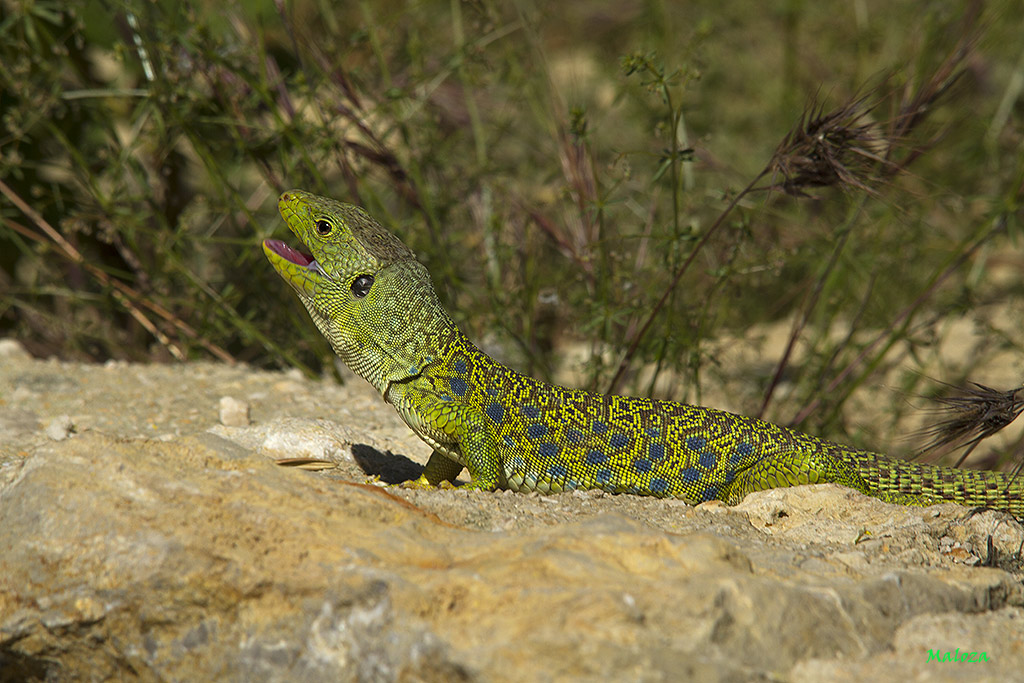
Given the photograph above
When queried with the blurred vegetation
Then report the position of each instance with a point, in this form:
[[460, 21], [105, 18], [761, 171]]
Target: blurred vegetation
[[569, 172]]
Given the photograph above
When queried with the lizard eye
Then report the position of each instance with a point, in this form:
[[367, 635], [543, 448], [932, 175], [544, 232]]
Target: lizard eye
[[361, 286], [324, 227]]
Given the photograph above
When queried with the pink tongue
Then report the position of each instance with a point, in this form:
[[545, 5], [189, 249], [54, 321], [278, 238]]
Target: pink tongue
[[287, 253]]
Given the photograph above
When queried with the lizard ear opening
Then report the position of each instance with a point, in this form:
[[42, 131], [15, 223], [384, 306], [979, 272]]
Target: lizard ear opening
[[361, 286]]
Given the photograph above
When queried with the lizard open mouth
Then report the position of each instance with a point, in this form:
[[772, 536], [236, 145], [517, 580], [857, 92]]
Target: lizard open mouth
[[293, 255], [287, 253]]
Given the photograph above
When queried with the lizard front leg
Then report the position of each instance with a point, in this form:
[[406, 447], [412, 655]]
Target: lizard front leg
[[440, 470], [459, 433]]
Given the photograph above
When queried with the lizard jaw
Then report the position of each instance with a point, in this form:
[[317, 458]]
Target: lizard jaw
[[287, 253], [299, 270], [292, 256]]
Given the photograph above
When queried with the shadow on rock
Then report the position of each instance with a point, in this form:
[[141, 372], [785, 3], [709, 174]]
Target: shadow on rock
[[391, 468]]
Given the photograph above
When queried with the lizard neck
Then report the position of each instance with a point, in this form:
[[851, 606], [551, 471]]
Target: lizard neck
[[408, 331]]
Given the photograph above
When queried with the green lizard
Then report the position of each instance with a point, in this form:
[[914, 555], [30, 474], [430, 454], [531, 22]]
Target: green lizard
[[375, 303]]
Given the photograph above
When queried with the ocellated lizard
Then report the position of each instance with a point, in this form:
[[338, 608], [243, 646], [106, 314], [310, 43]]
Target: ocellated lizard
[[375, 303]]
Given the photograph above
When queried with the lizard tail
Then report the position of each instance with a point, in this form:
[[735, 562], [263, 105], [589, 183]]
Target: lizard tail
[[903, 482]]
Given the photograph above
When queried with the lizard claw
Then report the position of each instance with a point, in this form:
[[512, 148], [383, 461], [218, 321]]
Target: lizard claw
[[420, 483]]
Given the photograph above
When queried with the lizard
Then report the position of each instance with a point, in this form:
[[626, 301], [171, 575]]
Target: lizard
[[376, 305]]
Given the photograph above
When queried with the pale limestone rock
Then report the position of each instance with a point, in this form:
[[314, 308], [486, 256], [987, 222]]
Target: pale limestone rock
[[12, 348], [293, 437], [60, 427], [233, 412], [199, 558], [17, 423]]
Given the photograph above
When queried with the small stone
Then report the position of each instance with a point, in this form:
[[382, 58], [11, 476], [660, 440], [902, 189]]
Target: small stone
[[12, 348], [234, 413], [60, 427]]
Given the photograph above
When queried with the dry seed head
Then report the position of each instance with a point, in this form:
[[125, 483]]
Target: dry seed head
[[974, 414], [842, 148]]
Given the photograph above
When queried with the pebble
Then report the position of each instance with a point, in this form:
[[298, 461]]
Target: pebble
[[12, 347], [233, 412], [60, 427]]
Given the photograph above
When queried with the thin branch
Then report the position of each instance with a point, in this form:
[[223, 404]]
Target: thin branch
[[124, 294], [631, 351], [808, 409]]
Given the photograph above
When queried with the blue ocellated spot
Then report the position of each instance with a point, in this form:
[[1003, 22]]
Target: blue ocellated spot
[[600, 427], [658, 485], [517, 462], [656, 451], [742, 450], [642, 465], [495, 411], [445, 397], [574, 435], [603, 476], [708, 459], [531, 411], [536, 430], [547, 450], [690, 475], [618, 440], [509, 441], [413, 370], [557, 471], [652, 431], [596, 457], [492, 391], [696, 443], [710, 493], [458, 385], [460, 366]]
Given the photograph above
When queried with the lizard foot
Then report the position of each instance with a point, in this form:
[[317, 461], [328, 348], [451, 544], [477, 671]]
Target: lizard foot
[[420, 483], [475, 485]]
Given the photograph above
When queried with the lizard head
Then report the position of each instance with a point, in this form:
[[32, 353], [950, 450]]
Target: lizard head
[[345, 242], [364, 288]]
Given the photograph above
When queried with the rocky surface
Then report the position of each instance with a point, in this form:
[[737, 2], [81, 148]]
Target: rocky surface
[[148, 530]]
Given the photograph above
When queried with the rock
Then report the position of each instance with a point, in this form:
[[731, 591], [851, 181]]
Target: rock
[[234, 413], [199, 558], [12, 348], [293, 437], [60, 427], [17, 423], [196, 563]]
